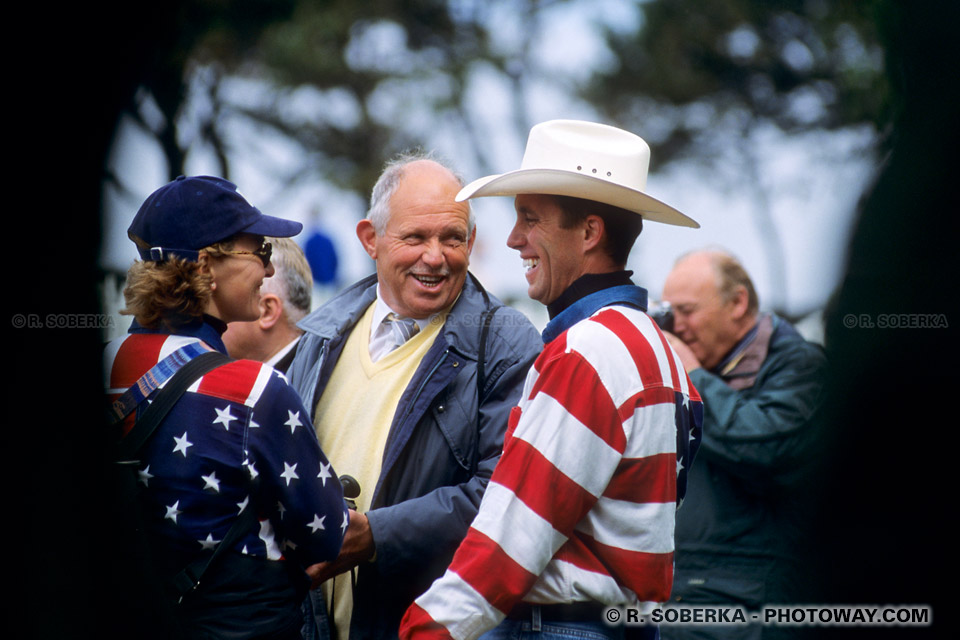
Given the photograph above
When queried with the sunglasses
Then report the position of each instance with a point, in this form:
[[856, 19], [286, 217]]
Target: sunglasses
[[263, 253]]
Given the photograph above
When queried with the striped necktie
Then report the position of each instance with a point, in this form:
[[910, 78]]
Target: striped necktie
[[403, 328]]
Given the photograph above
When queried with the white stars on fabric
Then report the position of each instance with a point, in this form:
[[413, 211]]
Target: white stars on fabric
[[173, 511], [224, 417], [252, 470], [289, 472], [346, 521], [211, 482], [145, 476], [324, 473], [209, 544], [294, 420], [317, 524], [182, 444], [243, 505]]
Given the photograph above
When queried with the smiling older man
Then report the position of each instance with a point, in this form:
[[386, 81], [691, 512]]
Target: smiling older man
[[410, 374]]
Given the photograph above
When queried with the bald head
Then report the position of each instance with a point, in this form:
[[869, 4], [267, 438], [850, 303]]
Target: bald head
[[714, 303]]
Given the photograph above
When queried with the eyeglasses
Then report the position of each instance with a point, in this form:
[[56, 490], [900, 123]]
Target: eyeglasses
[[264, 253]]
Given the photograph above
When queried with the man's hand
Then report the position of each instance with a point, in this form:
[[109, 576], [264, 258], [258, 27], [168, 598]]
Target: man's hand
[[357, 547], [690, 361]]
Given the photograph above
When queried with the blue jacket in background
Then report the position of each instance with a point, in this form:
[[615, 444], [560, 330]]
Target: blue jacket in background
[[445, 440], [743, 530]]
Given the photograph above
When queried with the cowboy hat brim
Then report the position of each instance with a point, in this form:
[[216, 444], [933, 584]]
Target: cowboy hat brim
[[567, 183]]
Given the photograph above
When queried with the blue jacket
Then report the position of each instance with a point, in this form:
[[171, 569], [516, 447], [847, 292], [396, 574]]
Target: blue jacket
[[741, 532], [445, 440]]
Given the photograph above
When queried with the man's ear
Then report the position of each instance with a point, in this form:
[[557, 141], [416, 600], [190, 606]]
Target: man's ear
[[368, 237], [593, 228], [740, 301], [271, 310], [473, 236]]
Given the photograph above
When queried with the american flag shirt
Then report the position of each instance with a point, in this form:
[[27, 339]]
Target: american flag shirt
[[581, 506], [239, 422]]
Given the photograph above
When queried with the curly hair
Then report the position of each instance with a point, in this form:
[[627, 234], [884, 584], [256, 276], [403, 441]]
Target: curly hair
[[171, 292]]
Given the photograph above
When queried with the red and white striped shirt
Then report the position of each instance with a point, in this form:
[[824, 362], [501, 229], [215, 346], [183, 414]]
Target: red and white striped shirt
[[581, 506]]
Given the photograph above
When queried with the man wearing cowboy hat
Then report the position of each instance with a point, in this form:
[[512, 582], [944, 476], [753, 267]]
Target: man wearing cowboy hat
[[579, 514]]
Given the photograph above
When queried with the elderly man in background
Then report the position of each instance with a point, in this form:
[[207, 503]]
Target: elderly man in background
[[741, 534], [285, 300], [410, 375]]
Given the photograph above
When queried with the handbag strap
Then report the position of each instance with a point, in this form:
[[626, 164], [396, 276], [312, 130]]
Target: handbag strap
[[186, 374]]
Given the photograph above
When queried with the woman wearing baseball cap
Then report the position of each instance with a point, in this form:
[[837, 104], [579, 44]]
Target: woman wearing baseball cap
[[233, 492]]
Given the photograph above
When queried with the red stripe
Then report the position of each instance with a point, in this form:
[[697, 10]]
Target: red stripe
[[553, 495], [232, 381], [417, 621], [644, 357], [136, 355], [487, 568], [575, 552], [641, 480], [573, 382], [649, 575], [646, 398]]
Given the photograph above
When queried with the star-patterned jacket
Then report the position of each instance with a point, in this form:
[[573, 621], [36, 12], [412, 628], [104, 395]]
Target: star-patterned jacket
[[239, 422]]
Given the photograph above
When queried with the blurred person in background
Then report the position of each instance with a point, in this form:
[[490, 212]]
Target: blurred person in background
[[742, 533], [224, 508], [285, 299], [410, 375]]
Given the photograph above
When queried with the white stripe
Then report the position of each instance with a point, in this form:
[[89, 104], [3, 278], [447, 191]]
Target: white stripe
[[263, 379], [608, 356], [565, 582], [567, 443], [651, 430], [459, 607], [522, 534], [651, 333], [645, 527]]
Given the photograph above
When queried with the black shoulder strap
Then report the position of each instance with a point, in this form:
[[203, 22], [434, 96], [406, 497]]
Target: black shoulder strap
[[166, 398], [188, 578], [487, 318]]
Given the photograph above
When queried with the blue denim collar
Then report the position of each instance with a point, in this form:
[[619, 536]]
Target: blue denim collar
[[629, 295]]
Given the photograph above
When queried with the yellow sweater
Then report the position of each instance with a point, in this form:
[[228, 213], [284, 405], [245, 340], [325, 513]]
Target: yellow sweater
[[353, 419]]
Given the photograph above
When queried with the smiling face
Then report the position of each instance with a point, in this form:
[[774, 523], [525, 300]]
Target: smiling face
[[553, 256], [236, 281], [424, 251]]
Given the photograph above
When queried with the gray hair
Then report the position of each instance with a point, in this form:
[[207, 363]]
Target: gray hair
[[292, 280], [389, 180]]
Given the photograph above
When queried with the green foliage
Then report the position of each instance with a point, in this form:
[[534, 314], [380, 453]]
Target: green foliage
[[801, 64]]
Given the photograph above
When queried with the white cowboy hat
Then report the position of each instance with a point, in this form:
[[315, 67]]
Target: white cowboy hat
[[584, 160]]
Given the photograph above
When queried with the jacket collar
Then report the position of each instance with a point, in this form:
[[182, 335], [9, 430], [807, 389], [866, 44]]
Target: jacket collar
[[629, 295], [207, 328]]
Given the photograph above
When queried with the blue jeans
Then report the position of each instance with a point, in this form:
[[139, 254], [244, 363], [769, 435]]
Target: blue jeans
[[536, 629]]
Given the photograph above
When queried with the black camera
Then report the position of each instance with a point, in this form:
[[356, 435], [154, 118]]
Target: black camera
[[351, 489], [662, 314]]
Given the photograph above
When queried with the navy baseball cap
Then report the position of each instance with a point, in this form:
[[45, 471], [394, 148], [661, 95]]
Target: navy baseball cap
[[191, 213]]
